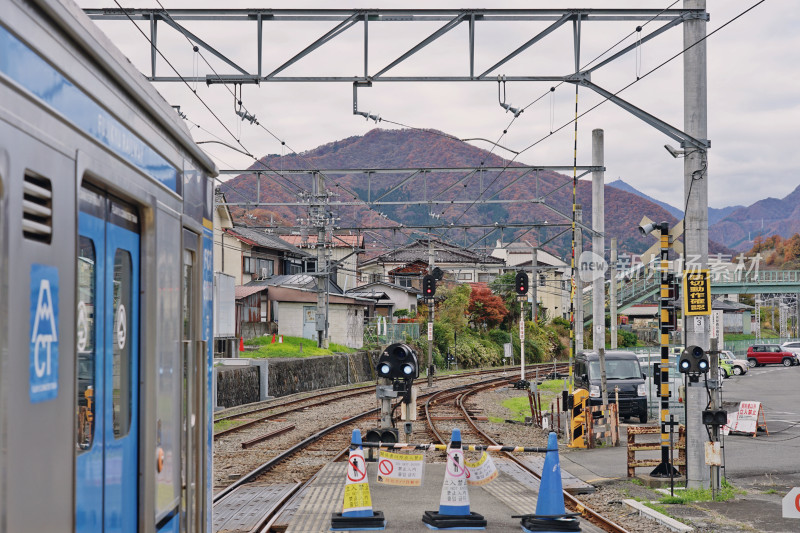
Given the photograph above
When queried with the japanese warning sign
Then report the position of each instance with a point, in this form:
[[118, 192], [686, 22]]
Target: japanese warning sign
[[454, 498], [356, 489], [697, 293], [400, 469], [482, 471]]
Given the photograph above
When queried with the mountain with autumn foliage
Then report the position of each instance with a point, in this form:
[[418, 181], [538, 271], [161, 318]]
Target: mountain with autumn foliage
[[465, 197], [770, 216]]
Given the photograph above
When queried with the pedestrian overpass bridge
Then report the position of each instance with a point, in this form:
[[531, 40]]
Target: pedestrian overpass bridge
[[635, 290]]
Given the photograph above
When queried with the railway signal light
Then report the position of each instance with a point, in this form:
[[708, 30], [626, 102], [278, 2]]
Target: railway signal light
[[521, 283], [428, 286], [398, 361], [694, 360]]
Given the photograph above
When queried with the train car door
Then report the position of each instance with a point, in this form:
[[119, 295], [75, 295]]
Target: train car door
[[106, 469], [193, 388]]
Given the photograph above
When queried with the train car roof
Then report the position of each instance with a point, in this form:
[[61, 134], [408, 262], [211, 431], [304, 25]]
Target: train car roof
[[73, 21]]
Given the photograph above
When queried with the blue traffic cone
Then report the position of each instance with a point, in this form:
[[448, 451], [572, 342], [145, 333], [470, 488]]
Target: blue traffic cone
[[357, 513], [454, 510], [551, 515]]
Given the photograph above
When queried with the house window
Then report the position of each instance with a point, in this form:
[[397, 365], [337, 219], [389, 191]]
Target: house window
[[375, 278], [264, 268], [295, 269], [485, 277], [403, 281], [249, 265], [465, 276]]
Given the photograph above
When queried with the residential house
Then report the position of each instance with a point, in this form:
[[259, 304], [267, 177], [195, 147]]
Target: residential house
[[406, 265], [292, 304], [344, 252], [388, 297], [736, 317]]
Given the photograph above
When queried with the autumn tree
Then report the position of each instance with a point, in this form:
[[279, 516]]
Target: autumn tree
[[485, 307]]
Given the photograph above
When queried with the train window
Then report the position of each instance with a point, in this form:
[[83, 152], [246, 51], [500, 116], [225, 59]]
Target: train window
[[122, 386], [85, 344]]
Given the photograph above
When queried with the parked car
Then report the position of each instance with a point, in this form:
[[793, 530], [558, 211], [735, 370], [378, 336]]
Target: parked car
[[725, 368], [766, 354], [623, 371], [793, 346], [738, 366]]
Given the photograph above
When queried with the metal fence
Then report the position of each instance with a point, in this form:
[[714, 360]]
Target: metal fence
[[378, 332], [737, 347], [740, 347]]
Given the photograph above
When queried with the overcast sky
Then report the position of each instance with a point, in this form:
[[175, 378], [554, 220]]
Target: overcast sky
[[753, 95]]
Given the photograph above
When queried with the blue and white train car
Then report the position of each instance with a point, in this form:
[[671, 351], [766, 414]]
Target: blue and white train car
[[105, 288]]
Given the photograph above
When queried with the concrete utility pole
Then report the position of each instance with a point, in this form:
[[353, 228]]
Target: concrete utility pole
[[431, 307], [695, 187], [612, 297], [317, 216], [534, 283], [598, 241], [578, 303]]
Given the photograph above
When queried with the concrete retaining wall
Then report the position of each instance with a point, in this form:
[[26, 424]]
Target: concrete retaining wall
[[281, 377]]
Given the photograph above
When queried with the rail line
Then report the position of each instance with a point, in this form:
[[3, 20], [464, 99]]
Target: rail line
[[332, 443]]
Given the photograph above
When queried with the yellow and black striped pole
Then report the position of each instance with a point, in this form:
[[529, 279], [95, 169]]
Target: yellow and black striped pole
[[573, 348], [665, 468]]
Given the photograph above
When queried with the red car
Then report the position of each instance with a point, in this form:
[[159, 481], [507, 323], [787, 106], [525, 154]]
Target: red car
[[766, 354]]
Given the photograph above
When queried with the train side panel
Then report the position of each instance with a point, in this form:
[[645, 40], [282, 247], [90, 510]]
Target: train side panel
[[104, 265]]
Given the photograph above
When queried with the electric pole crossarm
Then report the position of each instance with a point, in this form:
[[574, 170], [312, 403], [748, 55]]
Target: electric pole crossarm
[[390, 191], [669, 25], [589, 231], [340, 28], [197, 40], [400, 170], [667, 129], [550, 29], [425, 42]]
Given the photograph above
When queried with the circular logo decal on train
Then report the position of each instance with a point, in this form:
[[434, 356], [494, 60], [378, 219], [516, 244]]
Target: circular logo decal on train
[[122, 326]]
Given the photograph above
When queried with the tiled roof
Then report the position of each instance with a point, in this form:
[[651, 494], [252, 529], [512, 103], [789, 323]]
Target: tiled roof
[[444, 253], [261, 238]]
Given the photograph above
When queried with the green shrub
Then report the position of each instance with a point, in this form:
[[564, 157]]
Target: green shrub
[[499, 337]]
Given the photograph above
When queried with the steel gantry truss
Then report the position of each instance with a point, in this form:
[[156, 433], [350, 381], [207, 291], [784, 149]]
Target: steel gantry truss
[[373, 21]]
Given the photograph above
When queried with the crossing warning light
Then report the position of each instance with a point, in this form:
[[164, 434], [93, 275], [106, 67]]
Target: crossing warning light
[[428, 286], [578, 423], [715, 418], [694, 360], [521, 283]]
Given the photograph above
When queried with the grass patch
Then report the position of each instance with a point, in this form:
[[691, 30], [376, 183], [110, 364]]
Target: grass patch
[[552, 385], [519, 407], [222, 425], [291, 347], [636, 481], [726, 492], [770, 491]]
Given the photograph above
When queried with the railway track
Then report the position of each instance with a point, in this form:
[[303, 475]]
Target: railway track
[[441, 409]]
